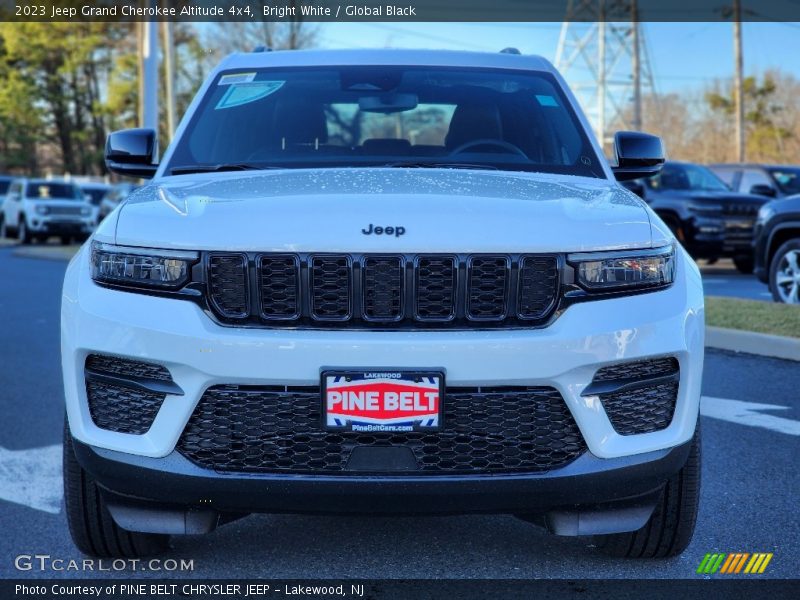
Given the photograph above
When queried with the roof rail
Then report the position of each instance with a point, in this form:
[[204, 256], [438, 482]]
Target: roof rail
[[510, 50], [262, 49]]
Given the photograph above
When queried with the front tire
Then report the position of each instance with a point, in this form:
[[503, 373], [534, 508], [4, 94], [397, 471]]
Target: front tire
[[784, 273], [23, 234], [91, 526], [670, 528]]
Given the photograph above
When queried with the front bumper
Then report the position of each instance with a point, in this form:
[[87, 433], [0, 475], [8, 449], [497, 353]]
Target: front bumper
[[718, 237], [61, 225], [564, 355], [588, 496]]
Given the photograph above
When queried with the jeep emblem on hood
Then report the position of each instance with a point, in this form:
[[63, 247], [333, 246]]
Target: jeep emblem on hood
[[396, 231]]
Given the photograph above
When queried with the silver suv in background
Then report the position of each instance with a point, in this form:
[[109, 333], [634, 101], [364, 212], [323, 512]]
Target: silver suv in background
[[36, 209]]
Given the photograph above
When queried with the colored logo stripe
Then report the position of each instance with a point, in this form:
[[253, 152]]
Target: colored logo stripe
[[758, 563], [734, 562], [711, 563]]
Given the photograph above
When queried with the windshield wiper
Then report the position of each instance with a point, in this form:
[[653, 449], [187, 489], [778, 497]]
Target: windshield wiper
[[183, 170], [437, 165]]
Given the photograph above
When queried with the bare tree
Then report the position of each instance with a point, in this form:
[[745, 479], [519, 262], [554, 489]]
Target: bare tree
[[244, 36]]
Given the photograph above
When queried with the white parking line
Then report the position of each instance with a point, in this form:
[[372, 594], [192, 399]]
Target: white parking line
[[747, 413]]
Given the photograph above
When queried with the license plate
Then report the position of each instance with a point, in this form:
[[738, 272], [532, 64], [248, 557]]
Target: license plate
[[374, 400]]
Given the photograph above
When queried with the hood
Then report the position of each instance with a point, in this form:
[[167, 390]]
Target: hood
[[328, 210]]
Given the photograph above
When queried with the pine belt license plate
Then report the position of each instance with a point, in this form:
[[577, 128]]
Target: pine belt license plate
[[375, 400]]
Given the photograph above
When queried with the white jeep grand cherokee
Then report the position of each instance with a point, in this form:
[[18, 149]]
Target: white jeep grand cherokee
[[382, 282]]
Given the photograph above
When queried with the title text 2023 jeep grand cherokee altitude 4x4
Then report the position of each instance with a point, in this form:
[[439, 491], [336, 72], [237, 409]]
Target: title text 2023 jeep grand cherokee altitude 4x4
[[382, 282]]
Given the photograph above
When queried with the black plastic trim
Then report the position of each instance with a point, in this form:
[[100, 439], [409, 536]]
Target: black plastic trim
[[145, 384], [622, 385]]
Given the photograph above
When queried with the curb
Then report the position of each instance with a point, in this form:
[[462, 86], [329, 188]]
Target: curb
[[761, 344], [43, 252]]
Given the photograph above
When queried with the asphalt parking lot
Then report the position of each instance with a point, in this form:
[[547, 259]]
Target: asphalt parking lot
[[722, 279], [751, 429]]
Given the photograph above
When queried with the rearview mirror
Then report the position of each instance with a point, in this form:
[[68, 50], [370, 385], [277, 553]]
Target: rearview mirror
[[132, 152], [762, 189], [637, 155], [388, 103]]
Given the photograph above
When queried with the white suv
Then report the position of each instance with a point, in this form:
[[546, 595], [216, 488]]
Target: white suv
[[382, 282], [41, 208]]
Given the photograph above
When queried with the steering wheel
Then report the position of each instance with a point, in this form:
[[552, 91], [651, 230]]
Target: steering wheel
[[489, 142]]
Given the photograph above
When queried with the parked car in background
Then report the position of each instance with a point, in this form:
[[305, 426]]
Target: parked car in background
[[40, 208], [94, 193], [709, 219], [5, 181], [777, 248], [773, 181], [114, 197]]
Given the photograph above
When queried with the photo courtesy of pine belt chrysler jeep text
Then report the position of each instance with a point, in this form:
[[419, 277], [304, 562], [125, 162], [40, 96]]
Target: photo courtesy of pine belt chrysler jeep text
[[382, 282]]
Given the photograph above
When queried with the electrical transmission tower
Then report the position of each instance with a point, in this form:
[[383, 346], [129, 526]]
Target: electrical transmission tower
[[603, 55]]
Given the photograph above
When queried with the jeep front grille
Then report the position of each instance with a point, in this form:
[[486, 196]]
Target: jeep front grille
[[382, 290], [276, 429]]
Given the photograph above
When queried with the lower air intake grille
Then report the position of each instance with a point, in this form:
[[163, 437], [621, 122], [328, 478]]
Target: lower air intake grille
[[120, 407], [278, 430], [645, 400], [126, 367]]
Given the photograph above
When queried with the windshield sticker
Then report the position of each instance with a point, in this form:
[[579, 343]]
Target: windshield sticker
[[236, 78], [545, 100], [243, 93]]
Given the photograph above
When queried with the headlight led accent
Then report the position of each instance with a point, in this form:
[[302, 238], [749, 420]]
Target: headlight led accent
[[141, 267], [628, 269]]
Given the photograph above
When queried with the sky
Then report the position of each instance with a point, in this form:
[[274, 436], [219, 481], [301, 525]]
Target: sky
[[682, 55]]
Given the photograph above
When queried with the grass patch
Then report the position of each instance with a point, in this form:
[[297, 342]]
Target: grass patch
[[752, 315]]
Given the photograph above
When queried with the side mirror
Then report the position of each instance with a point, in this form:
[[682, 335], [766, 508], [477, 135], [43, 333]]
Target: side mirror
[[762, 189], [637, 155], [132, 152]]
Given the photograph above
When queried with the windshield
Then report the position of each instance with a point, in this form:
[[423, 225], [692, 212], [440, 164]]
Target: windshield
[[788, 180], [4, 185], [50, 190], [391, 116], [95, 194], [686, 177]]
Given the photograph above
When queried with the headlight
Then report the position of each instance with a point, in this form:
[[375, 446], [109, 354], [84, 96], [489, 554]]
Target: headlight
[[86, 211], [765, 213], [42, 210], [141, 267], [700, 207], [629, 269]]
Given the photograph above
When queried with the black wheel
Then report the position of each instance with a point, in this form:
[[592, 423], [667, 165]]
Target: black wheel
[[744, 264], [93, 530], [4, 232], [670, 529], [65, 239], [23, 234], [784, 273]]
